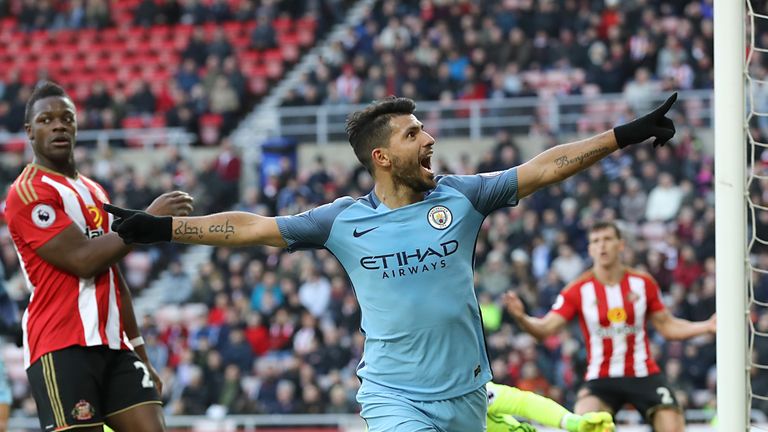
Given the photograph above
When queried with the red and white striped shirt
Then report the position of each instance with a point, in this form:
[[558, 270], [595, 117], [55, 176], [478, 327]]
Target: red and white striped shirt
[[613, 320], [64, 309]]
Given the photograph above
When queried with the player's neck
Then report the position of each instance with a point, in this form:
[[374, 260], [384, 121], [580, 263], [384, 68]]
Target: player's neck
[[394, 196], [609, 275], [66, 168]]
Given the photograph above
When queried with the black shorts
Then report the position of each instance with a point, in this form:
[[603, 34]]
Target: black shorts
[[646, 394], [80, 386]]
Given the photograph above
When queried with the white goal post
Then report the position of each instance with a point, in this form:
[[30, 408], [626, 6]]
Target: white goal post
[[730, 215]]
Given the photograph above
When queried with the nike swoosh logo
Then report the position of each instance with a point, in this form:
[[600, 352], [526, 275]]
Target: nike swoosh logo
[[357, 233]]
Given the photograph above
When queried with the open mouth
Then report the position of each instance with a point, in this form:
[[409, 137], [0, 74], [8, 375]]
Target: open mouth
[[61, 140], [426, 163]]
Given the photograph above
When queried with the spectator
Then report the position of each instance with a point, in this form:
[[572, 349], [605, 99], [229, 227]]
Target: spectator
[[263, 36], [315, 292], [639, 93], [197, 48], [231, 395], [223, 99], [285, 402], [178, 284], [141, 101], [97, 14], [568, 265], [219, 46], [194, 12], [194, 398], [236, 350], [145, 13], [664, 200]]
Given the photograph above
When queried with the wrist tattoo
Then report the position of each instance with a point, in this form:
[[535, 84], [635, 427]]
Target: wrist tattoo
[[564, 161]]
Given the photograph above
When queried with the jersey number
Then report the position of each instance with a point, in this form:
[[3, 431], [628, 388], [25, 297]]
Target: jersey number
[[666, 397], [146, 381]]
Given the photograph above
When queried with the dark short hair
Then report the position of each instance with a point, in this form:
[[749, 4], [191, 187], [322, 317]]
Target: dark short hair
[[369, 128], [599, 226], [42, 91]]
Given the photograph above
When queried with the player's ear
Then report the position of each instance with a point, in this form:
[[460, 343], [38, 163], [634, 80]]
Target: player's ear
[[380, 157], [28, 129]]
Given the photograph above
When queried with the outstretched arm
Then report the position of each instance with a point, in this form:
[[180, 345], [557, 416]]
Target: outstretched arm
[[560, 162], [673, 328], [219, 229], [539, 328], [227, 229]]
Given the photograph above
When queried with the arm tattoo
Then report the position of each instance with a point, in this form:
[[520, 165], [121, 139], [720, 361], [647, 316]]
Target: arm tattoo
[[564, 161], [185, 229], [224, 228]]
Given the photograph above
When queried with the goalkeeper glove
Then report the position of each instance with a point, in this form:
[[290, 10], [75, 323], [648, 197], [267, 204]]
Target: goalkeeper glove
[[136, 226], [524, 427], [590, 422], [652, 125], [506, 423]]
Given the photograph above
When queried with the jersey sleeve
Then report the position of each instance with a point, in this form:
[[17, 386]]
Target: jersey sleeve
[[567, 303], [487, 191], [37, 221], [311, 229], [653, 294]]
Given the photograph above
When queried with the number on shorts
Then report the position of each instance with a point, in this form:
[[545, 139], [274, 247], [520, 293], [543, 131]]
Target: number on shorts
[[666, 396], [146, 381]]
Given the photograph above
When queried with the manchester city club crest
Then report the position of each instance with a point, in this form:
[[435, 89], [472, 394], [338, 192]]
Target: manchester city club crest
[[439, 217]]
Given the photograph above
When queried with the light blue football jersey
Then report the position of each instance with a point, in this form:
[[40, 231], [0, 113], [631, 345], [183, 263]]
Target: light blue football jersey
[[412, 272]]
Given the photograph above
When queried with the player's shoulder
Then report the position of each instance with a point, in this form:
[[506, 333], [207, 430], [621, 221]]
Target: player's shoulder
[[587, 276], [330, 211], [638, 273], [342, 203], [27, 188], [454, 184]]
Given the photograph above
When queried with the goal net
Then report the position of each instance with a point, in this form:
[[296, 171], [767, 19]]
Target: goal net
[[754, 79]]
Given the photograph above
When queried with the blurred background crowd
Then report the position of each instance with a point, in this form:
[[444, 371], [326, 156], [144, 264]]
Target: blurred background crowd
[[258, 330]]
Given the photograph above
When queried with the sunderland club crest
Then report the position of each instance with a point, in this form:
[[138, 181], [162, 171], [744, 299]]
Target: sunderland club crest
[[83, 411]]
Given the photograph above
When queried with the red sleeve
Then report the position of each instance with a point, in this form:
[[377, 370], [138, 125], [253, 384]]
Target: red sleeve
[[568, 303], [37, 222], [653, 293]]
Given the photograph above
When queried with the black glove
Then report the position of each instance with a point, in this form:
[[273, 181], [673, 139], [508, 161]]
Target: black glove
[[136, 226], [652, 125]]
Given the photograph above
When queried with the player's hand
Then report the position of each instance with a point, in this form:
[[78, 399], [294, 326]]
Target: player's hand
[[591, 422], [155, 378], [712, 324], [514, 305], [176, 203], [524, 427], [136, 226], [655, 124]]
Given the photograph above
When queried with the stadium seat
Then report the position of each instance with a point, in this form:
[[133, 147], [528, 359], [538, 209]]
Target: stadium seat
[[282, 25]]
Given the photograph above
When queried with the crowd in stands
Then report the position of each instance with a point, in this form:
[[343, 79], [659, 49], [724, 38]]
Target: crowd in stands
[[197, 65], [259, 330], [471, 50]]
